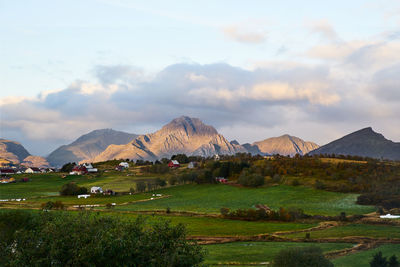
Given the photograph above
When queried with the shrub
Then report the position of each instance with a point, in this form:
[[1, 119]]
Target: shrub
[[252, 180], [72, 189]]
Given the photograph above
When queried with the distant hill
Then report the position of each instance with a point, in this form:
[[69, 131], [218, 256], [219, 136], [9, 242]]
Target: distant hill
[[283, 145], [364, 143], [182, 135], [88, 146], [35, 161], [12, 151]]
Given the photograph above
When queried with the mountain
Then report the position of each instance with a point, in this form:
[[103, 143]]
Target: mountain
[[35, 161], [12, 151], [283, 145], [88, 146], [182, 135], [364, 143]]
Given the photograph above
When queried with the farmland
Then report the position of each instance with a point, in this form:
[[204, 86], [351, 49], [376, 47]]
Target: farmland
[[197, 206]]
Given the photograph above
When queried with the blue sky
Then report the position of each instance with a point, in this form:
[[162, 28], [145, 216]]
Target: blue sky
[[343, 48]]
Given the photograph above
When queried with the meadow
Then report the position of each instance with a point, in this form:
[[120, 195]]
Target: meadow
[[376, 231], [256, 252], [363, 258], [211, 198]]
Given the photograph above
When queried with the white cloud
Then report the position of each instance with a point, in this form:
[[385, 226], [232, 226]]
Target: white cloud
[[244, 34], [325, 29]]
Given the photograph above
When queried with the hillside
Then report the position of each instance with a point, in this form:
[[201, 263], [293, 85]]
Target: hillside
[[12, 151], [283, 145], [88, 146], [35, 161], [182, 135], [364, 143]]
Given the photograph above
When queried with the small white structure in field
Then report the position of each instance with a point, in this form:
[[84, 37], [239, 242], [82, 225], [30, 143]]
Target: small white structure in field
[[83, 196], [124, 164], [389, 216], [96, 189], [192, 165], [216, 157]]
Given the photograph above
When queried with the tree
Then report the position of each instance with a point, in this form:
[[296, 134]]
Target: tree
[[84, 239], [140, 186], [72, 189], [378, 260], [301, 257], [393, 262], [68, 167], [253, 180]]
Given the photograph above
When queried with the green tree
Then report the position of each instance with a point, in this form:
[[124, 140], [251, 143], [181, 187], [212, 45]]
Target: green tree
[[378, 260], [72, 189], [301, 257], [63, 239], [393, 261], [140, 186], [68, 167]]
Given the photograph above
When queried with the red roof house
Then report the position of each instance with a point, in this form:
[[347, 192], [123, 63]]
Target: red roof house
[[174, 164]]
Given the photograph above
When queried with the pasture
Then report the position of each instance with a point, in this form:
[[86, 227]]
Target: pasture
[[364, 257], [257, 252], [211, 198]]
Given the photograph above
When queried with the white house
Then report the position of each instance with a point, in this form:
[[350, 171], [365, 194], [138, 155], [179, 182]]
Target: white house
[[124, 164], [216, 157], [96, 189], [89, 167]]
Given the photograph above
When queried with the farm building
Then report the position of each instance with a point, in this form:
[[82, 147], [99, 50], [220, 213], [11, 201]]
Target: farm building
[[89, 167], [33, 170], [96, 189], [124, 164], [216, 157], [79, 170], [6, 171], [174, 164]]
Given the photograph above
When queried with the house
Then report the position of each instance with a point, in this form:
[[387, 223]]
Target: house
[[7, 171], [32, 170], [89, 167], [124, 164], [174, 164], [79, 170], [192, 165], [216, 157], [119, 168], [96, 189], [221, 180]]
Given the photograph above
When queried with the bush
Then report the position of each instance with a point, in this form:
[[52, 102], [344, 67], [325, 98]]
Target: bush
[[58, 205], [252, 180], [301, 257], [72, 189], [62, 239]]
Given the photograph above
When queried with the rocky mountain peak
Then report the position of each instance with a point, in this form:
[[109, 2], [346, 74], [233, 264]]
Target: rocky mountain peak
[[190, 126]]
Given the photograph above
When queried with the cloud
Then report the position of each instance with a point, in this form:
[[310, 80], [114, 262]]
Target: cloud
[[244, 34], [324, 29]]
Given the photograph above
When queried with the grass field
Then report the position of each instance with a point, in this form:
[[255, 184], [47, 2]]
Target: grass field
[[50, 184], [205, 226], [364, 257], [378, 231], [336, 161], [210, 198], [257, 252]]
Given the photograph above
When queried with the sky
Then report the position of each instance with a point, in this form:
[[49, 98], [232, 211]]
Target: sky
[[252, 69]]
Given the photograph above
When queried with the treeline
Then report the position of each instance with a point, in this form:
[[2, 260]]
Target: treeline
[[84, 239]]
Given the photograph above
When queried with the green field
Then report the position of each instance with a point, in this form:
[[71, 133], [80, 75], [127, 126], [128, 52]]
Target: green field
[[205, 226], [378, 231], [211, 198], [257, 252], [50, 184], [364, 257]]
